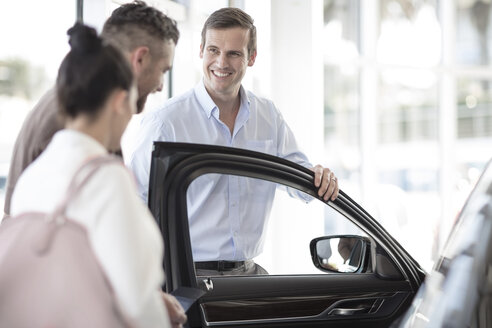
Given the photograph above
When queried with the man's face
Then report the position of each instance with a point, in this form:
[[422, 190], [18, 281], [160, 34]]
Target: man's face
[[151, 78], [225, 59]]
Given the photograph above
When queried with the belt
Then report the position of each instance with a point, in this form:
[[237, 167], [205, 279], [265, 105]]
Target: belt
[[219, 265]]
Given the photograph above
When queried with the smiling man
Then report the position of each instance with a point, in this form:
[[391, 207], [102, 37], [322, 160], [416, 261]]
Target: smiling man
[[220, 111]]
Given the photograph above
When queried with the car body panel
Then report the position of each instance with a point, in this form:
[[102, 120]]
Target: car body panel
[[456, 292]]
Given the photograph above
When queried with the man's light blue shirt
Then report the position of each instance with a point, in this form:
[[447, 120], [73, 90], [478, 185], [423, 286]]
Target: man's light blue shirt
[[228, 214]]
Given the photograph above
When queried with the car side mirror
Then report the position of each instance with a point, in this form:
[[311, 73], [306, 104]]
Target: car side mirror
[[339, 253]]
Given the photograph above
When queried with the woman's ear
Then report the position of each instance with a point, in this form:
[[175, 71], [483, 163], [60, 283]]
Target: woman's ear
[[119, 101]]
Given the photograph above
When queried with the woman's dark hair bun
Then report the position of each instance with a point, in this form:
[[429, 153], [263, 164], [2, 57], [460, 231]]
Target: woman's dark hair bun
[[90, 71], [84, 39]]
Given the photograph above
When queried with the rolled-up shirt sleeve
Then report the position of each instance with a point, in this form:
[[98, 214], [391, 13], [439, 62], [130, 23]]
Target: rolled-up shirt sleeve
[[287, 148]]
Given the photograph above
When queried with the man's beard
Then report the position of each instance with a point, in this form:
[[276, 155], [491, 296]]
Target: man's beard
[[141, 104]]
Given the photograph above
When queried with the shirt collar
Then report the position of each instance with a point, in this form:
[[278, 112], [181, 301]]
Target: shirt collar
[[208, 104], [245, 102], [244, 110], [204, 99]]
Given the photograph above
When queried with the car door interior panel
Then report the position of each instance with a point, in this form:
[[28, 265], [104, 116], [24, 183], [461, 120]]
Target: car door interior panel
[[291, 298]]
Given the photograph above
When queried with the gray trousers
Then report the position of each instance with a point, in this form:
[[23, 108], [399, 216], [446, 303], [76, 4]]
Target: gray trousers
[[249, 268]]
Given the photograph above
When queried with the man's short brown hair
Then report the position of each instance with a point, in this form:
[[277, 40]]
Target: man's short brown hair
[[231, 17], [136, 24]]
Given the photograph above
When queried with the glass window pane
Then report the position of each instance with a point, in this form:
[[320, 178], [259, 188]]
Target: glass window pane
[[407, 159], [474, 134], [341, 28], [342, 120], [341, 44], [409, 33], [408, 108], [473, 32], [474, 114]]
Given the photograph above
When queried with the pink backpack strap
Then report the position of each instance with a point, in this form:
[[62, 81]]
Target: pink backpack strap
[[58, 216]]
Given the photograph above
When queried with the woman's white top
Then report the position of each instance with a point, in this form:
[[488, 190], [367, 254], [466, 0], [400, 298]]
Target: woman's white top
[[122, 231]]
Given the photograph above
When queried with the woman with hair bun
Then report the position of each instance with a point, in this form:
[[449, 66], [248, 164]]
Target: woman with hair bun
[[97, 95]]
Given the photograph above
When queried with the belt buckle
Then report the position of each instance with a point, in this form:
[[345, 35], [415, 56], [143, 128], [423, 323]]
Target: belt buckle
[[227, 265], [221, 266]]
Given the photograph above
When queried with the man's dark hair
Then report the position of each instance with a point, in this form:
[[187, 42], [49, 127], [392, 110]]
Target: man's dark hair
[[231, 17], [89, 73], [136, 24]]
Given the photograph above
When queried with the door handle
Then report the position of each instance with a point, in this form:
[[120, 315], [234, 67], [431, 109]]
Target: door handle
[[350, 307], [349, 311]]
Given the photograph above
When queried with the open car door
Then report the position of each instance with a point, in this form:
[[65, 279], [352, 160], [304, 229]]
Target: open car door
[[375, 294]]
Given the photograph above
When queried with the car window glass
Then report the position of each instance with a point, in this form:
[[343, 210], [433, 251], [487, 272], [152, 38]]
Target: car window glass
[[226, 215]]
